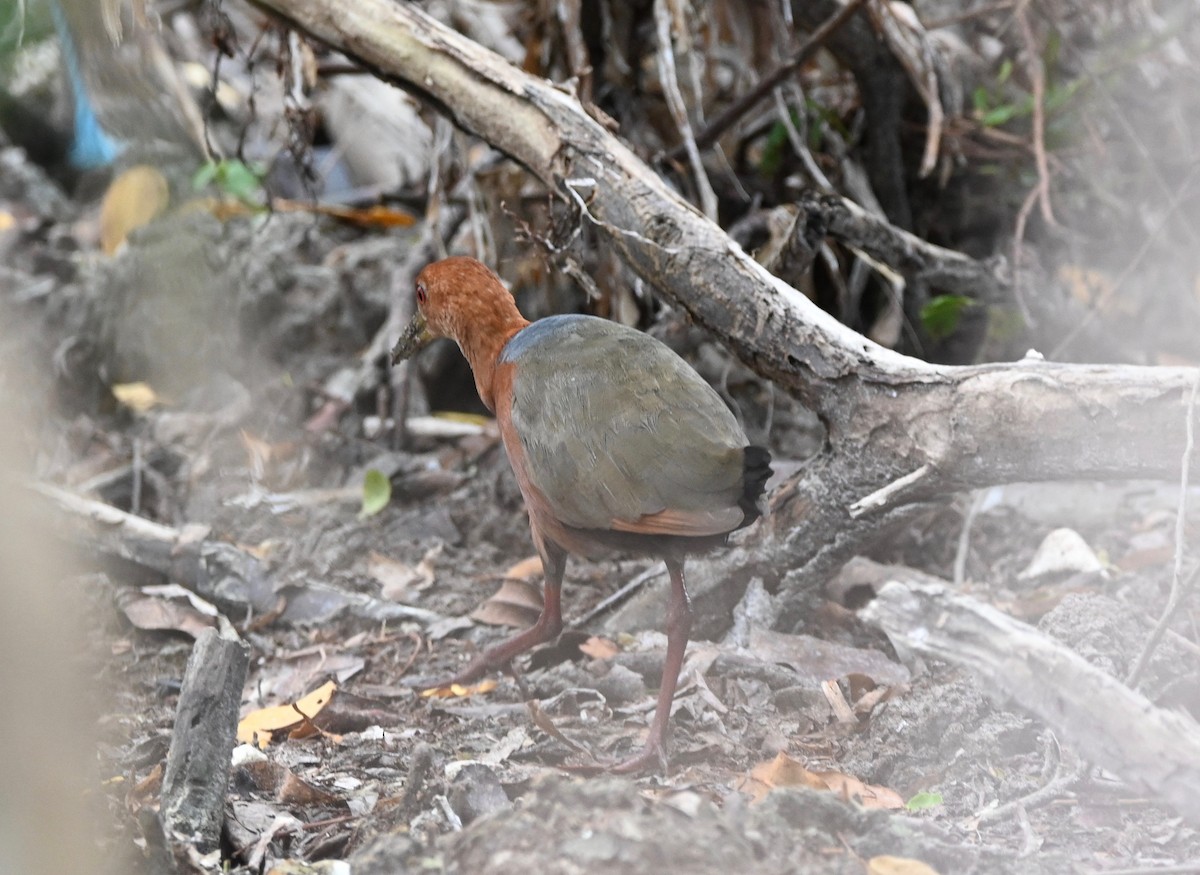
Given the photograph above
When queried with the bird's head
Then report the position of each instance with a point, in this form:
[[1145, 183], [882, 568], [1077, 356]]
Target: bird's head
[[456, 298]]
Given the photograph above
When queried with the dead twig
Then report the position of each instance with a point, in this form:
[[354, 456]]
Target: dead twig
[[669, 79], [1037, 76], [727, 118], [964, 539], [1179, 591], [620, 595]]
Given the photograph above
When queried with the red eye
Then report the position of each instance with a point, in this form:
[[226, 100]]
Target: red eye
[[421, 293]]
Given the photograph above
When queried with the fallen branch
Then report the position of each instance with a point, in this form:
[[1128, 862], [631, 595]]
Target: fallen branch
[[223, 574], [227, 576], [1154, 750], [917, 259]]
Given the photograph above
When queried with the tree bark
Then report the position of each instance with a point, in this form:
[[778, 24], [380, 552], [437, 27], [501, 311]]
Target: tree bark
[[888, 416]]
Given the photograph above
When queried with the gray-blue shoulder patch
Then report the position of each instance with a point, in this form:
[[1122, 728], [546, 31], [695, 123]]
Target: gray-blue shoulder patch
[[558, 328]]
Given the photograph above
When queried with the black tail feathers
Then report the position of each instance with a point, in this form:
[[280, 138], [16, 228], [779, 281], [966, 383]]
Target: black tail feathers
[[756, 471]]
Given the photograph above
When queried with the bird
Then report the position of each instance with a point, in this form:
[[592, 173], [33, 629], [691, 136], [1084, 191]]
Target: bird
[[616, 444]]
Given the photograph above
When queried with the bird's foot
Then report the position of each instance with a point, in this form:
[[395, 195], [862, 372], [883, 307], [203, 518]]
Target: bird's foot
[[653, 755]]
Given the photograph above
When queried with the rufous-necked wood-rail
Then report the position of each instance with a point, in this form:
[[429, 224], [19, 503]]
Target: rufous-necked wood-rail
[[616, 443]]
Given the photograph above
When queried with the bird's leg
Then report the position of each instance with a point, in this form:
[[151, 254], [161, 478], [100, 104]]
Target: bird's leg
[[547, 627], [679, 625]]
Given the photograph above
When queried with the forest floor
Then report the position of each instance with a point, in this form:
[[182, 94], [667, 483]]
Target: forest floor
[[802, 742]]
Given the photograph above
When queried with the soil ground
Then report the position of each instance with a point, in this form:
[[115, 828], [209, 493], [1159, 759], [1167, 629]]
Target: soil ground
[[397, 782]]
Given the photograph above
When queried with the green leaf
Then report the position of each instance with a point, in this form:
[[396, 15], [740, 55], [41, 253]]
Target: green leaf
[[1006, 68], [206, 174], [941, 315], [377, 492], [240, 181], [1000, 115], [980, 100], [923, 801], [774, 150], [232, 177]]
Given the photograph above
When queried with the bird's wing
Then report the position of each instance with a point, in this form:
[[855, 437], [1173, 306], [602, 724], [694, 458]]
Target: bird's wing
[[618, 432]]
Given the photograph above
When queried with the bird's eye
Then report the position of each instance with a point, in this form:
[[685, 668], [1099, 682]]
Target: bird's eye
[[421, 293]]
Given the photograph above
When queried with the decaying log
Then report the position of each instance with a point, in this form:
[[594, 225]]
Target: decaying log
[[889, 417], [1154, 750], [197, 773]]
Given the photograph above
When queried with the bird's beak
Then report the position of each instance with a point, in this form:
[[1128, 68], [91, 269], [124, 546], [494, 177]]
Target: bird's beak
[[415, 336]]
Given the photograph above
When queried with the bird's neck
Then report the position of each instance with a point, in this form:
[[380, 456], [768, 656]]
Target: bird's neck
[[482, 345]]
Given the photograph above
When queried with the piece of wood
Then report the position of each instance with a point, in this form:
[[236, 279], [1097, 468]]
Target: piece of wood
[[1153, 750], [197, 773], [220, 572]]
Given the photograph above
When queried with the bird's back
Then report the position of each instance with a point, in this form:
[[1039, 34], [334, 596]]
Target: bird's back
[[618, 433]]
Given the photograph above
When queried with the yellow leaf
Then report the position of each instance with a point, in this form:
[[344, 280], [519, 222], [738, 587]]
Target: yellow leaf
[[888, 865], [133, 199], [526, 569], [468, 418], [258, 726], [458, 691], [599, 648], [138, 397]]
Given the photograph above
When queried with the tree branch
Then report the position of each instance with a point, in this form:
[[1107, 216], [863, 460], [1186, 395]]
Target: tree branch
[[887, 414]]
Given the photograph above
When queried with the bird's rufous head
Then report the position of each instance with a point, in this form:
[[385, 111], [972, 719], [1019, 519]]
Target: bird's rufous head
[[456, 297]]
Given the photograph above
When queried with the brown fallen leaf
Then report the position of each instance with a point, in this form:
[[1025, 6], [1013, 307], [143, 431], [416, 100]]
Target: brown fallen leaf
[[258, 727], [783, 771], [167, 608], [146, 791], [286, 787], [399, 580], [517, 603]]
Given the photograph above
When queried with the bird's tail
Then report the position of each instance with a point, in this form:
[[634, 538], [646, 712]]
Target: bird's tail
[[756, 471]]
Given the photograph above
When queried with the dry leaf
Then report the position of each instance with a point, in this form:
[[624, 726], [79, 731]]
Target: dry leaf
[[887, 865], [783, 771], [599, 648], [133, 200], [138, 397], [528, 568], [280, 781], [258, 727], [458, 691], [517, 603], [1086, 285], [162, 609], [399, 579]]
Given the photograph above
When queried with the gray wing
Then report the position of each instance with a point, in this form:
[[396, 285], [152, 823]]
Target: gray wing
[[615, 427]]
